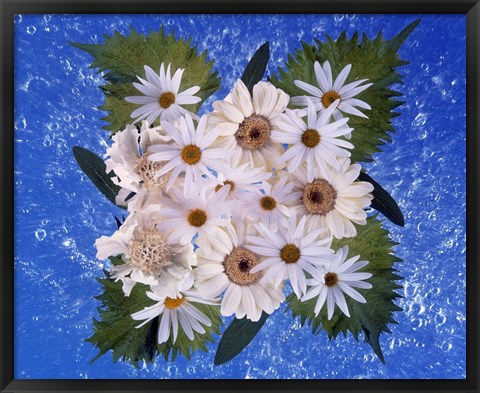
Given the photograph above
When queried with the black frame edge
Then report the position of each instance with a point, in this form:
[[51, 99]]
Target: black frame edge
[[9, 8], [6, 212], [473, 215], [245, 7]]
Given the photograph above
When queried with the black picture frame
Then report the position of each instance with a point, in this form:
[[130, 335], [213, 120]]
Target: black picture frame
[[8, 9]]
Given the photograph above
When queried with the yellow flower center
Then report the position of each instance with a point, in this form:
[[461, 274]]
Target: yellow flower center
[[191, 154], [311, 138], [268, 203], [173, 303], [197, 218], [226, 182], [166, 100], [329, 98], [290, 253], [319, 197], [238, 265], [331, 279], [253, 132]]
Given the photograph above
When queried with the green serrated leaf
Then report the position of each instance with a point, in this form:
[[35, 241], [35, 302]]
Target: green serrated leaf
[[256, 67], [116, 261], [373, 244], [375, 60], [115, 330], [236, 337], [383, 201], [95, 169], [123, 59]]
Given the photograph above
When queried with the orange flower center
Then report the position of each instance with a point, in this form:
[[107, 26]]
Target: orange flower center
[[290, 253], [311, 138], [191, 154], [173, 303], [329, 98], [197, 218], [166, 100]]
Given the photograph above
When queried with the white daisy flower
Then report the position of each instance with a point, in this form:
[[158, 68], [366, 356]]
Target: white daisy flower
[[290, 253], [333, 199], [315, 142], [244, 123], [142, 200], [329, 91], [174, 312], [271, 207], [191, 153], [331, 282], [242, 180], [149, 258], [227, 268], [201, 213], [128, 159], [161, 98]]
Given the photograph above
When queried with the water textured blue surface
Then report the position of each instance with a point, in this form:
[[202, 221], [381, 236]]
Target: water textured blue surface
[[59, 213]]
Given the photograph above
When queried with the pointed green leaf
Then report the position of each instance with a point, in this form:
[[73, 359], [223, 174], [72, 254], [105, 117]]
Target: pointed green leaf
[[236, 337], [115, 330], [256, 67], [400, 38], [95, 169], [383, 201], [123, 59], [375, 60], [373, 244]]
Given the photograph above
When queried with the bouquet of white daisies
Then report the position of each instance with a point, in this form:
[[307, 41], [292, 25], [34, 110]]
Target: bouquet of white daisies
[[260, 201]]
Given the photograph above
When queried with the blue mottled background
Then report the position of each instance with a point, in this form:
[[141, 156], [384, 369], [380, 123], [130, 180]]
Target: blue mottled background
[[59, 213]]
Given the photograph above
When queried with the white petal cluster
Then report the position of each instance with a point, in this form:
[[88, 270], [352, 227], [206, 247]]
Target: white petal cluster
[[328, 91], [330, 283], [245, 123], [227, 208], [160, 98]]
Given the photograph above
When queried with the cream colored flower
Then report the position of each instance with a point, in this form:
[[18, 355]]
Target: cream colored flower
[[149, 258], [226, 269], [244, 123], [333, 199], [128, 159]]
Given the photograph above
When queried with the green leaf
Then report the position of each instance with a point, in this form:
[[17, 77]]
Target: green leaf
[[95, 169], [123, 59], [373, 244], [256, 67], [183, 345], [383, 201], [236, 337], [375, 60], [116, 261], [116, 330]]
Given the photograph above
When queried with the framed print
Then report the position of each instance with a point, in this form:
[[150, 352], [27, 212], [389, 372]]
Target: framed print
[[268, 196]]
